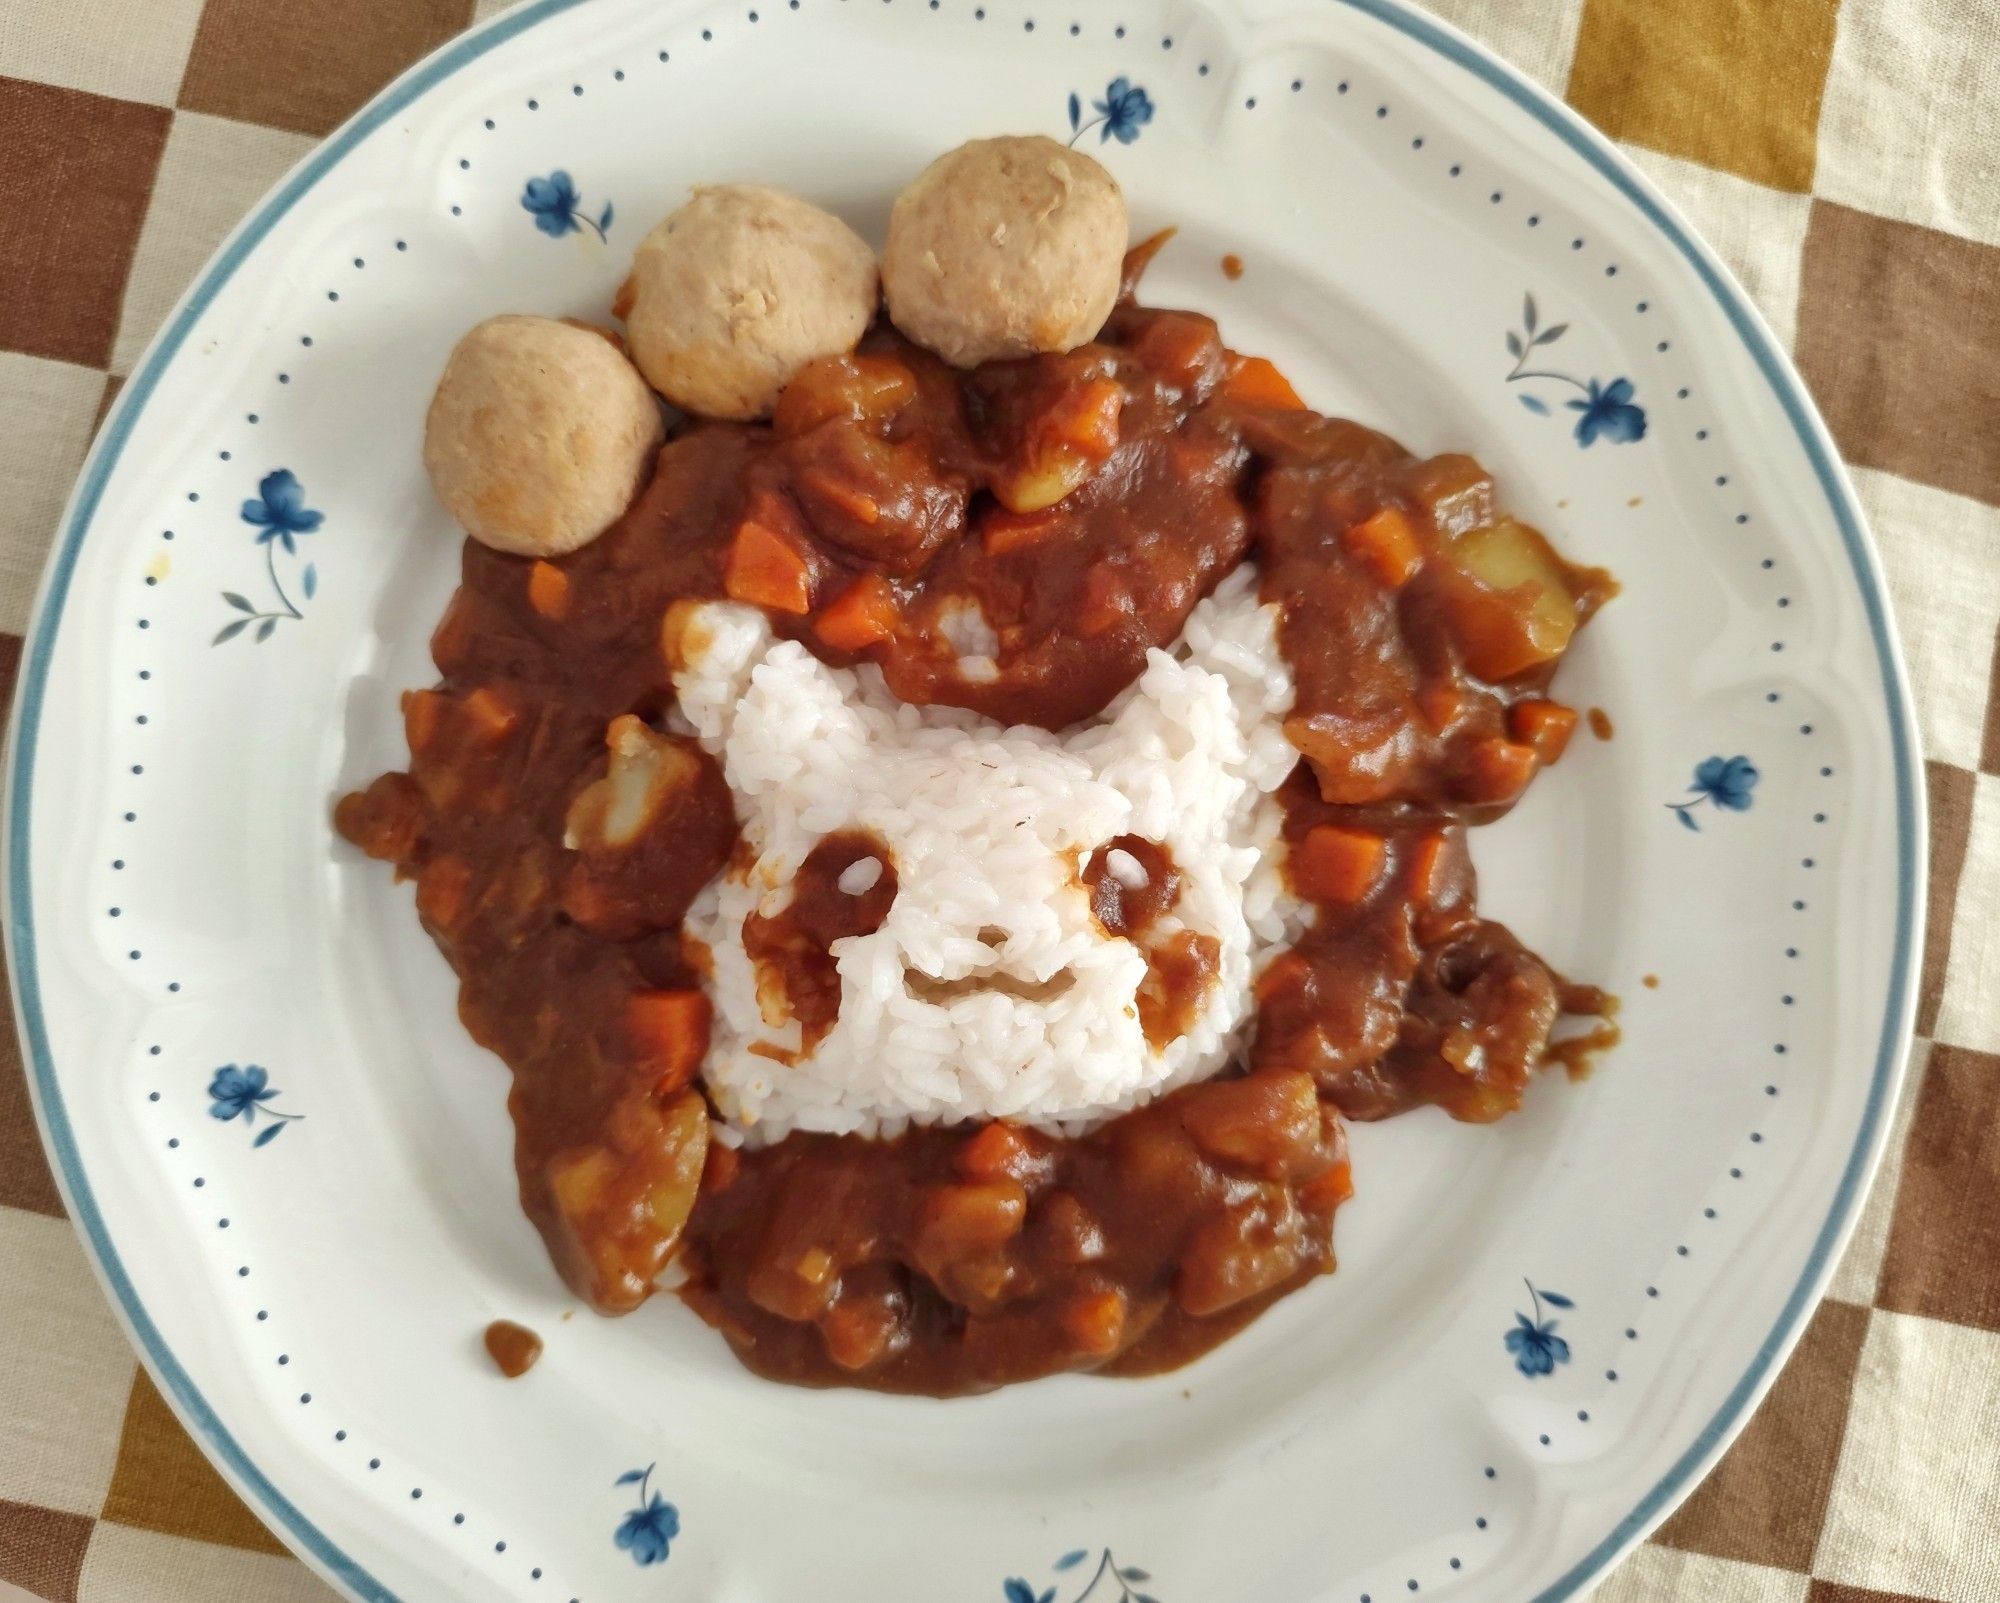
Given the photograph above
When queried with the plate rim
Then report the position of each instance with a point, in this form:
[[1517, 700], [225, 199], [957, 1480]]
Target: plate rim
[[1893, 1047]]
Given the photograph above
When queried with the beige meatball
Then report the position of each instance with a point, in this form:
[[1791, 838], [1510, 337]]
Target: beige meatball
[[539, 435], [738, 290], [1005, 247]]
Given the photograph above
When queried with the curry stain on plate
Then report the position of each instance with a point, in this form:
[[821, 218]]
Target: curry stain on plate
[[1232, 267], [1600, 723], [513, 1348]]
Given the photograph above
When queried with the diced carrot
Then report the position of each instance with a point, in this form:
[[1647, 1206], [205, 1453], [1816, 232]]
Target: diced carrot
[[1499, 770], [1426, 861], [1254, 381], [548, 590], [441, 888], [489, 715], [1085, 418], [766, 569], [861, 507], [960, 1221], [862, 615], [997, 1152], [671, 1030], [1328, 1191], [857, 1331], [1387, 544], [423, 711], [1335, 864], [722, 1166], [1107, 600], [1544, 725], [1095, 1320], [1002, 531]]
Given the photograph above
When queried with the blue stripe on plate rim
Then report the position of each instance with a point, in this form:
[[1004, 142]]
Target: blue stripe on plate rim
[[1552, 114]]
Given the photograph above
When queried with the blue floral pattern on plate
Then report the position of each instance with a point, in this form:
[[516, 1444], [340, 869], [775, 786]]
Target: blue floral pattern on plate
[[279, 513], [1124, 110], [243, 1093], [1718, 782], [1109, 1582], [648, 1530], [557, 207], [1536, 1347], [1607, 410]]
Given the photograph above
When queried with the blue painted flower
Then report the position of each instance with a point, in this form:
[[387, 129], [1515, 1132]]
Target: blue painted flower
[[1124, 110], [1727, 781], [242, 1094], [1019, 1591], [556, 207], [279, 509], [1536, 1347], [553, 201], [235, 1093], [1721, 782], [1608, 413], [649, 1530]]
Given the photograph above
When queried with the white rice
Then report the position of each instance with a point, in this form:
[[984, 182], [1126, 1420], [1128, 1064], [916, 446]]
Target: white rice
[[986, 827]]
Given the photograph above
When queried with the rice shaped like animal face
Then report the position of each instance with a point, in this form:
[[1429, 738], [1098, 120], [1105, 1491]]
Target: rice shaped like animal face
[[991, 987]]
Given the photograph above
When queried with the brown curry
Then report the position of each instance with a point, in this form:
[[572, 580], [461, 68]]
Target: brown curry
[[1086, 502]]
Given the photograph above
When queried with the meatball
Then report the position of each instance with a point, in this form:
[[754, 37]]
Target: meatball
[[738, 290], [539, 435], [1005, 247]]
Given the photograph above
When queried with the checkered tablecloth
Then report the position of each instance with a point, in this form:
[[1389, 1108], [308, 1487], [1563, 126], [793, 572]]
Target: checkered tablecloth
[[1845, 160]]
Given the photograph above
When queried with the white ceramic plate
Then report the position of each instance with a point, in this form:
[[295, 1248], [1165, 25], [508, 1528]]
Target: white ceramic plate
[[308, 1278]]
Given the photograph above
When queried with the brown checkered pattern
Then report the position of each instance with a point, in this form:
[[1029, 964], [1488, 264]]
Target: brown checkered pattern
[[1845, 158]]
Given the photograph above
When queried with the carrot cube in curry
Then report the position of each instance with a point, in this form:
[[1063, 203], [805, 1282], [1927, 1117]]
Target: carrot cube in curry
[[766, 569], [1332, 863], [548, 590], [1543, 725], [998, 1152], [1095, 1320], [1256, 381], [1330, 1190], [670, 1028], [1387, 545], [490, 715], [857, 1332], [423, 712], [1427, 867], [863, 615], [1499, 770], [960, 1221]]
